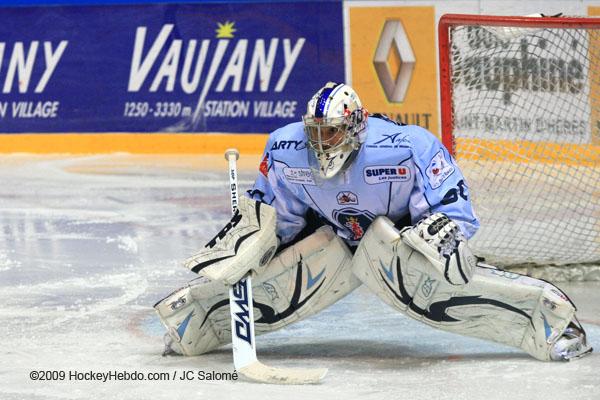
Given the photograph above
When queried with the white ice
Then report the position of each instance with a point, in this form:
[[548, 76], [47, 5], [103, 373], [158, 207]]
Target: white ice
[[89, 243]]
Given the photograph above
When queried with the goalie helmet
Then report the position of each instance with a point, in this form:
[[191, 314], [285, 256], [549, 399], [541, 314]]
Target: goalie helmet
[[334, 123]]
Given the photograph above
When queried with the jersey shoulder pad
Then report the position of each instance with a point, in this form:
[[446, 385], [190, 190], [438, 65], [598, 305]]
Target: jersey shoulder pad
[[421, 140], [386, 118], [385, 133]]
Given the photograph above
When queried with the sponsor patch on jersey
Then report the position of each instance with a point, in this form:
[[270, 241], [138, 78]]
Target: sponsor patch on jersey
[[264, 165], [355, 221], [386, 173], [344, 198], [390, 141], [288, 145], [439, 170], [302, 176]]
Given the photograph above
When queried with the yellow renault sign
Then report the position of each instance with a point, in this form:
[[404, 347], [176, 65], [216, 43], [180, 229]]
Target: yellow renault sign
[[393, 62], [394, 46]]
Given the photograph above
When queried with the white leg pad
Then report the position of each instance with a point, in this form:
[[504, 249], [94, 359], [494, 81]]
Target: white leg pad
[[300, 281], [496, 305]]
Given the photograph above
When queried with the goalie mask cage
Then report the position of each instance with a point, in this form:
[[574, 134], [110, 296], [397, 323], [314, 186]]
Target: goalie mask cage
[[520, 105]]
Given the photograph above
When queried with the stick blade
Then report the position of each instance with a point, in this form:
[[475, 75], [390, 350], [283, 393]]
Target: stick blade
[[259, 372]]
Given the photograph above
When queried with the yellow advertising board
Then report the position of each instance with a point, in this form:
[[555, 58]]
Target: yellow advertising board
[[393, 62]]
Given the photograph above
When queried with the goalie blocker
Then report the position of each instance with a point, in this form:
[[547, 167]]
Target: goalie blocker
[[246, 243], [426, 272]]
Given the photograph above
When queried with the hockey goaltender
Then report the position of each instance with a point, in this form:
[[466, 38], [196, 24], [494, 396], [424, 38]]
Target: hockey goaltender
[[350, 199]]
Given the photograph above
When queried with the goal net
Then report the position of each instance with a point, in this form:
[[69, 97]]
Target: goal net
[[521, 114]]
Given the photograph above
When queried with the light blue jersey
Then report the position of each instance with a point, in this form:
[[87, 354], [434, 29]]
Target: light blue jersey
[[400, 171]]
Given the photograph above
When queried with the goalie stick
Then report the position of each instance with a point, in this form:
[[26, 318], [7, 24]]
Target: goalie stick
[[242, 320]]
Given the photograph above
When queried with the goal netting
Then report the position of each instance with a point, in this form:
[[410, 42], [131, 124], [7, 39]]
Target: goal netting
[[521, 113]]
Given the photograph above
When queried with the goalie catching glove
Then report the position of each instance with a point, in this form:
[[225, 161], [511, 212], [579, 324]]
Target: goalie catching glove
[[246, 243], [440, 240]]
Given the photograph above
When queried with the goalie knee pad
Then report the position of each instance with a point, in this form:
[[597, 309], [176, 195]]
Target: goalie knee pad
[[381, 262], [300, 281], [497, 305]]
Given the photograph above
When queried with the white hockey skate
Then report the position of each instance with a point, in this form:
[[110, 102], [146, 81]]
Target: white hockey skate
[[571, 345]]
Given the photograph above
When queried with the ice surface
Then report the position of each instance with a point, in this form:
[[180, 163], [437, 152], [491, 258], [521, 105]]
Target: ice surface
[[89, 244]]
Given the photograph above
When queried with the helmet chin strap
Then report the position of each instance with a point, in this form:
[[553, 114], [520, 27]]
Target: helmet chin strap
[[351, 157]]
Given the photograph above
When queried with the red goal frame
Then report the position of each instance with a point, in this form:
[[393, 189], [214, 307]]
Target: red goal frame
[[449, 20]]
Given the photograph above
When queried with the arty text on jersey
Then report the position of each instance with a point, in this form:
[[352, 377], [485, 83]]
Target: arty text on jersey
[[288, 145]]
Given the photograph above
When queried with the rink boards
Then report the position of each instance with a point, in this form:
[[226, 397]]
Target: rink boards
[[153, 77]]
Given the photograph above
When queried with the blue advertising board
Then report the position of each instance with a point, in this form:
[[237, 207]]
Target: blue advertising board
[[244, 67]]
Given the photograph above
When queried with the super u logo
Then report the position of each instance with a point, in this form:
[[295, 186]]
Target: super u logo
[[386, 173]]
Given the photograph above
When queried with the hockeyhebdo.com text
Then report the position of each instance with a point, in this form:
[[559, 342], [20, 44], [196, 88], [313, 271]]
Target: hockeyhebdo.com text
[[126, 376]]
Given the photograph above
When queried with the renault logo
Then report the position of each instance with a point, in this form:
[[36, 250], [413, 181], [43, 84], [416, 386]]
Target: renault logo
[[394, 61]]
